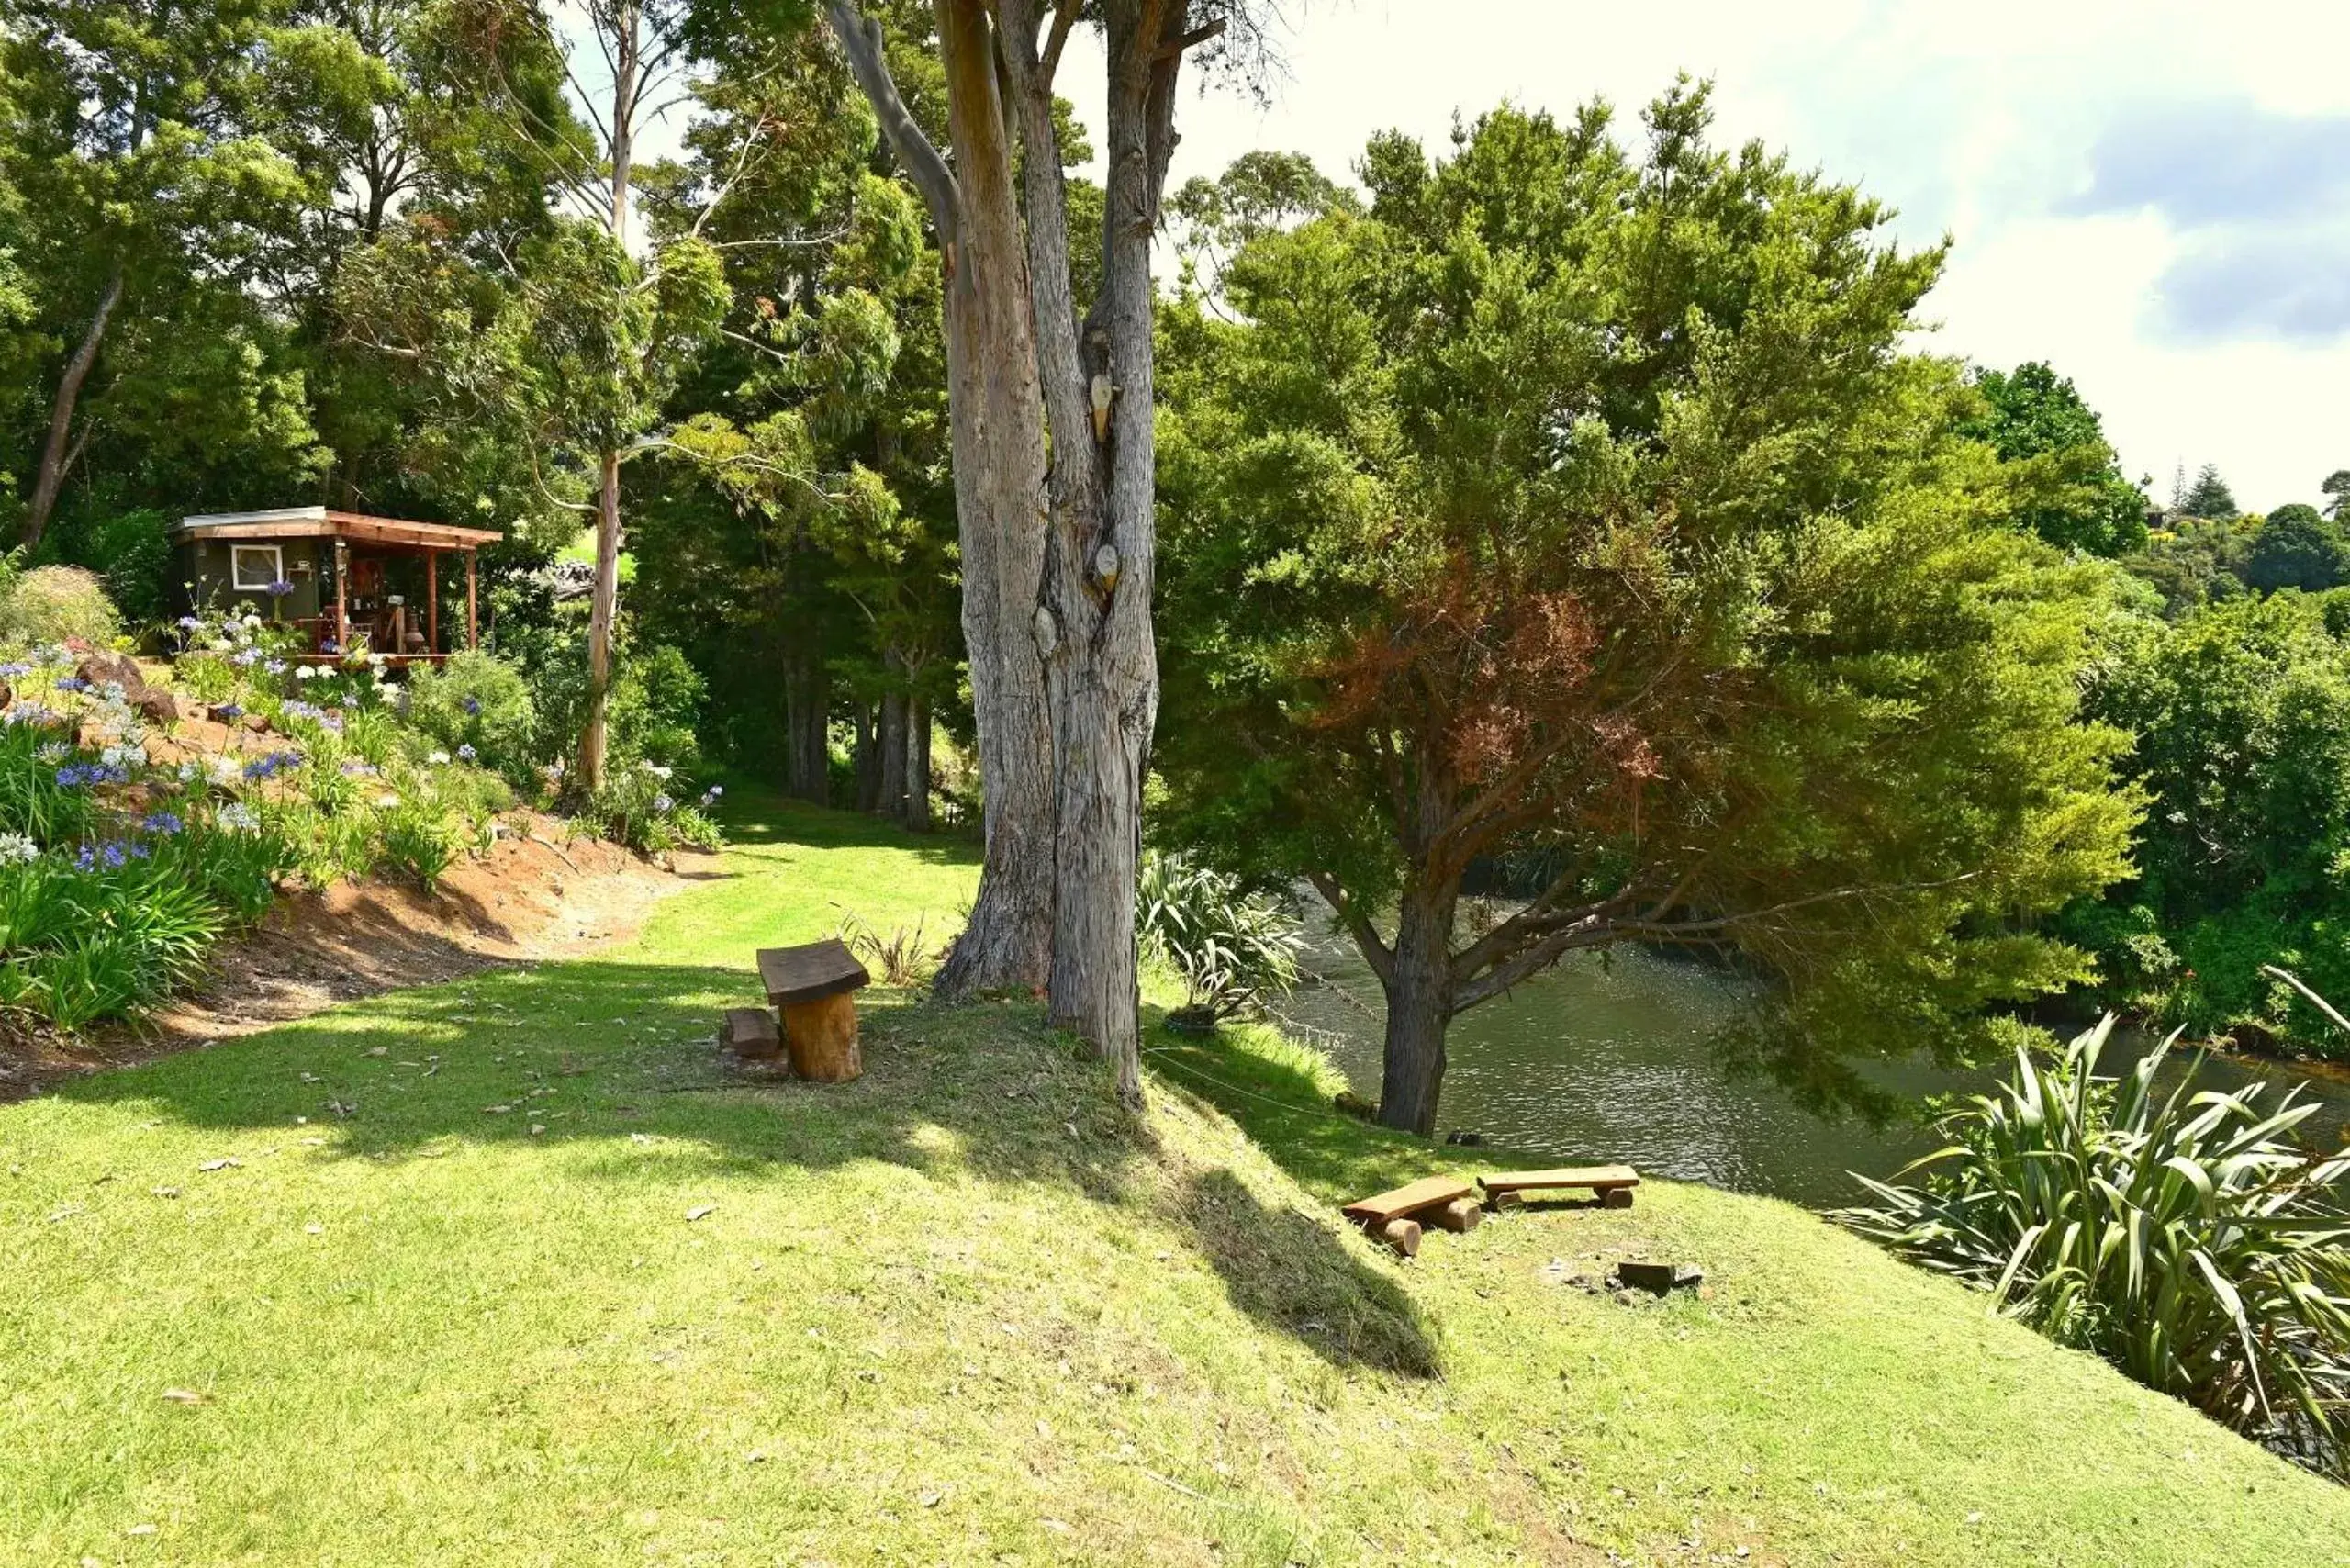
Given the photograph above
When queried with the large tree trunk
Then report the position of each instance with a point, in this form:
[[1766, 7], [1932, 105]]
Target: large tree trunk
[[807, 702], [1419, 1008], [1094, 626], [918, 763], [867, 760], [996, 429], [603, 610], [624, 41], [891, 745], [998, 444], [49, 477]]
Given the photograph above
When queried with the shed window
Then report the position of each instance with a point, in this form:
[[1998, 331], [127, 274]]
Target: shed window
[[254, 568]]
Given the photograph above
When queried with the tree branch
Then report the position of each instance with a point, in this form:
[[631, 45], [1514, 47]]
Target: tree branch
[[860, 38], [1377, 954]]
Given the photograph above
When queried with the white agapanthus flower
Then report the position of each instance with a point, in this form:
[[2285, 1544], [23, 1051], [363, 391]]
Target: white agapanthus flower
[[438, 759], [16, 849]]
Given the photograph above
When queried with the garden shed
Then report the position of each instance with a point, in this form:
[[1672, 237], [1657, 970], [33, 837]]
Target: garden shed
[[350, 581]]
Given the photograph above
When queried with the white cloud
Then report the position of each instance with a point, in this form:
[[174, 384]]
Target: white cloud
[[1984, 121]]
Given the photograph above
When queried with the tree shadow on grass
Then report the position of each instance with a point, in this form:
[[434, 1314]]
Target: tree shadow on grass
[[599, 1053], [764, 818]]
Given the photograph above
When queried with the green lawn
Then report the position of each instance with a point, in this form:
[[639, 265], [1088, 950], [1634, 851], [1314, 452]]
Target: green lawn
[[963, 1311]]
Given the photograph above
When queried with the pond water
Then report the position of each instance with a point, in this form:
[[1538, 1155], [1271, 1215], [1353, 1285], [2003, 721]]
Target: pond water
[[1606, 1058]]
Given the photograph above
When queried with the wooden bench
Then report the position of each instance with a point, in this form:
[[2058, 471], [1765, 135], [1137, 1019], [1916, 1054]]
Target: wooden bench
[[815, 989], [1612, 1184], [1394, 1216]]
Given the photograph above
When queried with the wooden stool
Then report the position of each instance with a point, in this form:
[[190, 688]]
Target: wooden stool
[[815, 989]]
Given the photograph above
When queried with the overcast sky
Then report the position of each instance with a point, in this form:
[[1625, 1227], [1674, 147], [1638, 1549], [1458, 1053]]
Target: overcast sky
[[2152, 194]]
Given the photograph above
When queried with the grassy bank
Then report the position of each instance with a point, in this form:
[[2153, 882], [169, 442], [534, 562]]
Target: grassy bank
[[447, 1305]]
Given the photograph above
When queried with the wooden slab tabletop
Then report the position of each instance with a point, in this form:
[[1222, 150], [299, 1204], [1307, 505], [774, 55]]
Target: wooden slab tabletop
[[810, 973]]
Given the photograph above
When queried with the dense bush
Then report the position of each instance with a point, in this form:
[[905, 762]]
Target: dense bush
[[2242, 718], [2176, 1232], [651, 713], [480, 701], [640, 806], [1230, 946], [52, 604], [131, 553]]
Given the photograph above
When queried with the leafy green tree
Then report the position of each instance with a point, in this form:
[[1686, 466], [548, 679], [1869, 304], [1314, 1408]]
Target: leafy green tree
[[2070, 488], [2297, 548], [2240, 715], [576, 336], [1580, 505], [2337, 485], [2209, 496]]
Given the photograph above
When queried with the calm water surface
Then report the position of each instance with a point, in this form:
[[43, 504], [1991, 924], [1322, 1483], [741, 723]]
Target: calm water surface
[[1606, 1059]]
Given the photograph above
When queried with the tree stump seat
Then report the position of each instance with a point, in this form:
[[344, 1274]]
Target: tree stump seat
[[814, 989]]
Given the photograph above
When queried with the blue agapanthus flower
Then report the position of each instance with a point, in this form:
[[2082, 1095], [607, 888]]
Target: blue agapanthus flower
[[15, 669], [473, 706], [72, 683], [164, 822], [467, 754], [228, 712]]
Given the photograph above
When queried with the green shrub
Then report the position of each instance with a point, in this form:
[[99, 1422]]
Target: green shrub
[[478, 702], [2176, 1232], [636, 807], [50, 604], [418, 843], [131, 553], [1230, 946]]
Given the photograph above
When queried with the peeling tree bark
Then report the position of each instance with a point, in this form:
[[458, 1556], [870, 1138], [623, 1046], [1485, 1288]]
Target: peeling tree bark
[[1094, 626], [997, 430]]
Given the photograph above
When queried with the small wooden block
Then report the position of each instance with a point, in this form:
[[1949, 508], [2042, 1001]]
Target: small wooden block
[[1461, 1214], [1403, 1235], [1499, 1201], [1616, 1198], [1428, 1192], [822, 1038], [750, 1032]]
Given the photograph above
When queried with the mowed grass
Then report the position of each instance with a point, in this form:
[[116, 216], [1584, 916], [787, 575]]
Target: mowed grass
[[448, 1307]]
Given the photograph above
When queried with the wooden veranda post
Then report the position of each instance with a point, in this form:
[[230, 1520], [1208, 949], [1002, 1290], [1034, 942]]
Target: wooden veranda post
[[341, 599], [473, 628], [433, 603]]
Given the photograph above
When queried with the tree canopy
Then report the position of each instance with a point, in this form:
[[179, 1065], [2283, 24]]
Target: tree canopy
[[2070, 485], [1578, 508]]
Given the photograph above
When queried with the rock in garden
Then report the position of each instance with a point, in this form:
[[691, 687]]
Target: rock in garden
[[112, 669]]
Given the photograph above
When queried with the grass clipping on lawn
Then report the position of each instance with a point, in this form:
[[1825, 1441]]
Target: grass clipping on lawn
[[511, 1269]]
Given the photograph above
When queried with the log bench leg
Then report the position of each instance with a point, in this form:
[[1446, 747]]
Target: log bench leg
[[1461, 1214], [1403, 1235], [820, 1036], [1616, 1198]]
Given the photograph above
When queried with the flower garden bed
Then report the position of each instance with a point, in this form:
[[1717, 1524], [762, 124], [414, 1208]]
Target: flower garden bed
[[144, 819]]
